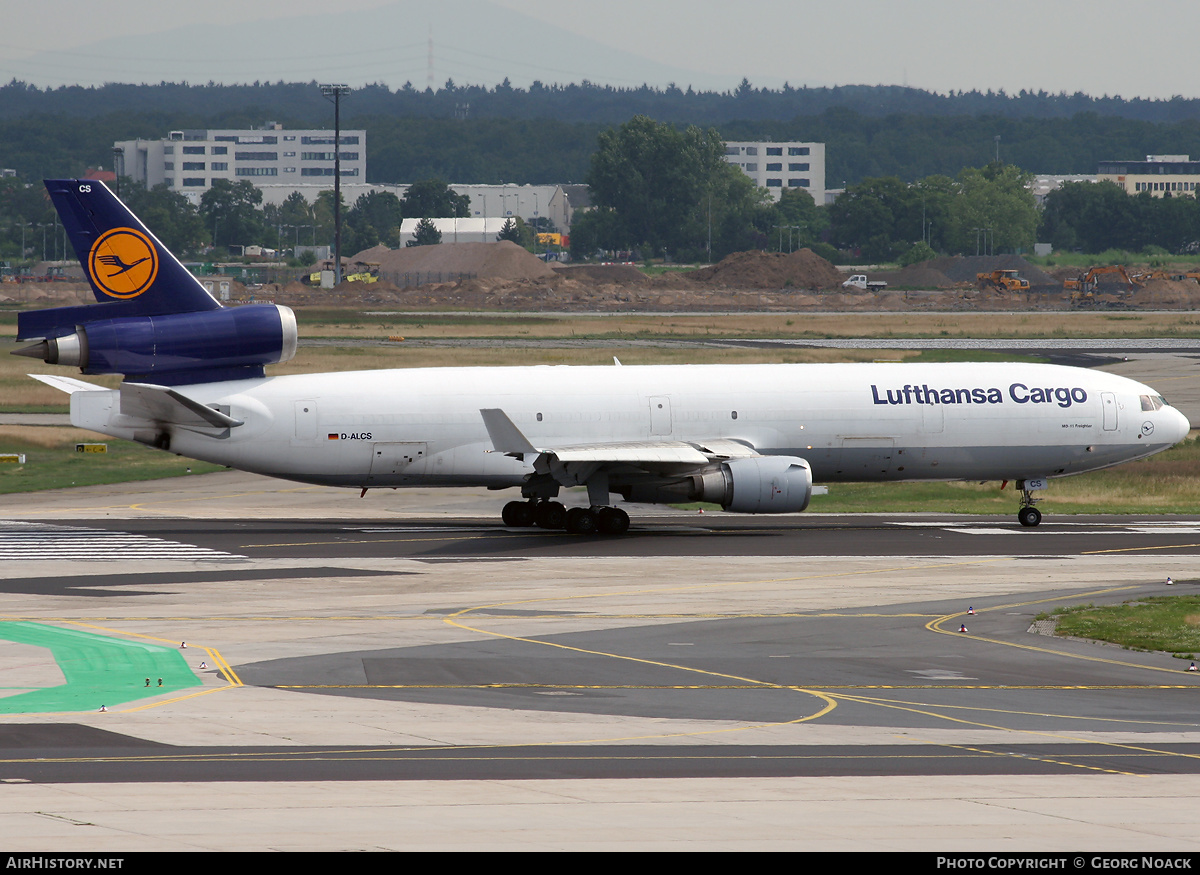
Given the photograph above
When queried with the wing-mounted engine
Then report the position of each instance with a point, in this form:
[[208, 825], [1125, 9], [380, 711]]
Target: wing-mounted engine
[[178, 348], [755, 484], [760, 484]]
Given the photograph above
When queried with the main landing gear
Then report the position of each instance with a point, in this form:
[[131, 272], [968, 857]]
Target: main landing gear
[[576, 521]]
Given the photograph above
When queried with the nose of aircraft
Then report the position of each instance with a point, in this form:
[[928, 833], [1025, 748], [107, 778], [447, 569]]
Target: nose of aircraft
[[1178, 426]]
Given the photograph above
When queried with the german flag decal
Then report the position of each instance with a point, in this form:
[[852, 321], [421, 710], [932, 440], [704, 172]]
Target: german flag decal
[[123, 263], [333, 437]]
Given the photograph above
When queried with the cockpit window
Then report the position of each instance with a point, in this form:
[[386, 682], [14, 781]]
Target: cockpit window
[[1153, 402]]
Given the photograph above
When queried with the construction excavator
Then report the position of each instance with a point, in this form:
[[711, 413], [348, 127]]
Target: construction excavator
[[1083, 288]]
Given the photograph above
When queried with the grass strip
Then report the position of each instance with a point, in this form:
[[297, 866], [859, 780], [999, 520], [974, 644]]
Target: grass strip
[[1169, 624]]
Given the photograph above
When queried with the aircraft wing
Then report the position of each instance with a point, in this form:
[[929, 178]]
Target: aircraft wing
[[574, 463], [688, 453]]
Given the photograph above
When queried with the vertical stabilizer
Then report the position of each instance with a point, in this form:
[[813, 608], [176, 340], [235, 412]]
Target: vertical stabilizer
[[131, 273], [122, 260]]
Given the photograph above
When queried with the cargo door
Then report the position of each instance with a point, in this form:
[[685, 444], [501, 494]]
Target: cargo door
[[389, 459]]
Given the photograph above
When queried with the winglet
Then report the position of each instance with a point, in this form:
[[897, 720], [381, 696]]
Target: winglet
[[506, 437]]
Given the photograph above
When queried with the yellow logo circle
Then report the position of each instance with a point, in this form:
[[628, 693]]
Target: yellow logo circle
[[123, 263]]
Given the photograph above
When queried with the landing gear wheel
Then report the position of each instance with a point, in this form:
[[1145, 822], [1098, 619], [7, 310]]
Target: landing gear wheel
[[1029, 516], [517, 514], [613, 521], [550, 515], [581, 521]]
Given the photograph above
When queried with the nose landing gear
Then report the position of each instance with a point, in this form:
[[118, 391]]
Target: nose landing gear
[[1028, 515]]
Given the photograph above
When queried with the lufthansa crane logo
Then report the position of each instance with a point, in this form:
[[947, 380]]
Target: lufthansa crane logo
[[123, 263]]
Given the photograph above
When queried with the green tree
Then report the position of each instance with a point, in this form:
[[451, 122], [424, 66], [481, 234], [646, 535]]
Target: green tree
[[323, 216], [996, 198], [231, 212], [883, 218], [667, 189], [593, 230], [937, 193], [509, 232], [432, 198], [861, 217], [426, 234], [375, 218], [921, 251], [519, 232], [295, 219], [797, 209]]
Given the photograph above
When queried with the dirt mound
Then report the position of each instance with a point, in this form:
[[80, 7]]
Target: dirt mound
[[374, 255], [803, 269], [503, 260], [1181, 294], [64, 293]]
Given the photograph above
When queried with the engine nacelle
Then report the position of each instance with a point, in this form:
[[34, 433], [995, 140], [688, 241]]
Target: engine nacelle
[[761, 484], [179, 347]]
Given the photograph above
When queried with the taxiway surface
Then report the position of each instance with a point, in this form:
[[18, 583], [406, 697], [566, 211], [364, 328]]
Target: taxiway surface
[[399, 673]]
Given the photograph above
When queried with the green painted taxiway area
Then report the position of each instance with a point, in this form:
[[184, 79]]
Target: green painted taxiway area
[[96, 669]]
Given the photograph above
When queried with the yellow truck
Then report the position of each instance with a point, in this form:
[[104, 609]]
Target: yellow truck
[[1002, 281]]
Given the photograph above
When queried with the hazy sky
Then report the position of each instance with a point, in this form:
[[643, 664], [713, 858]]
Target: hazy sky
[[1145, 49]]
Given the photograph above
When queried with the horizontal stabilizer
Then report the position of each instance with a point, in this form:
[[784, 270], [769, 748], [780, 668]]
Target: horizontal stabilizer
[[165, 405], [67, 384]]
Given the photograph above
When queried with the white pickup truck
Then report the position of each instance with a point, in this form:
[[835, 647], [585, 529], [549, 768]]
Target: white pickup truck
[[859, 281]]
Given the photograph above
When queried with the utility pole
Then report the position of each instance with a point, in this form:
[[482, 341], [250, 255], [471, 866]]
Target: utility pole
[[118, 168], [335, 92]]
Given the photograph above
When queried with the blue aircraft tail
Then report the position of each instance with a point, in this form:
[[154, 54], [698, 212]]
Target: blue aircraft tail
[[130, 271], [153, 322]]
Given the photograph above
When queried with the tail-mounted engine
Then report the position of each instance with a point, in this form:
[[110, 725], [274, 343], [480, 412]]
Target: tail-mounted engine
[[177, 348]]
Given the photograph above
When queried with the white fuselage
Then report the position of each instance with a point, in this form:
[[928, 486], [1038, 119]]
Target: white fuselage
[[852, 422]]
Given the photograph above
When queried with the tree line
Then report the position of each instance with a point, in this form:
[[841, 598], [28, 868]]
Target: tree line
[[493, 150], [662, 189], [585, 101]]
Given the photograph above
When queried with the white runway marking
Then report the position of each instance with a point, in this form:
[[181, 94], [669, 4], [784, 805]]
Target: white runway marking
[[37, 541], [1066, 528]]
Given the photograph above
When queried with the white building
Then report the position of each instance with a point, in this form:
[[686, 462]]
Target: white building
[[189, 161], [1160, 175], [776, 166], [457, 230], [505, 201], [1042, 184]]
